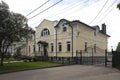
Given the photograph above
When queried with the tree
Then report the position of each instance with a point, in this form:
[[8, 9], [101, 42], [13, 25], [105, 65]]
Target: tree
[[13, 28], [118, 47], [118, 6]]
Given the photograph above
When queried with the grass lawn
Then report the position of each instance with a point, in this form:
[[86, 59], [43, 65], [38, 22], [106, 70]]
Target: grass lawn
[[25, 65]]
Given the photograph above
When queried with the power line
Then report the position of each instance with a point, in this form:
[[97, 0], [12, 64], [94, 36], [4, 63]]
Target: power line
[[108, 11], [76, 10], [99, 12], [45, 10], [37, 8], [63, 10], [106, 14], [66, 8]]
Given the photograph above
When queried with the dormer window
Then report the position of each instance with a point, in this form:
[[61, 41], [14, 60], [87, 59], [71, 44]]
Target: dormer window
[[64, 28], [45, 32], [95, 33]]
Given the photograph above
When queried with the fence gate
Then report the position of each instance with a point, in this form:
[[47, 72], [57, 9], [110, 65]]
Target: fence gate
[[92, 57]]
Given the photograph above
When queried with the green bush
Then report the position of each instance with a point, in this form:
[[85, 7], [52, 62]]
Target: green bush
[[116, 59], [118, 67]]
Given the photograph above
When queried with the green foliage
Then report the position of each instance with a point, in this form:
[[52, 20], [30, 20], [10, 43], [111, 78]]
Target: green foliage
[[118, 47], [115, 59], [118, 67], [13, 28], [118, 6]]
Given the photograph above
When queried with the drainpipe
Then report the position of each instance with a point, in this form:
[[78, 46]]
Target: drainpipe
[[56, 42], [34, 43], [72, 39]]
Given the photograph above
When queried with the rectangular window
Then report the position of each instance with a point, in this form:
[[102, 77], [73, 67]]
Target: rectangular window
[[68, 46], [86, 47], [33, 48], [52, 47], [64, 29], [95, 48], [39, 48], [59, 46], [29, 49], [95, 33], [43, 33]]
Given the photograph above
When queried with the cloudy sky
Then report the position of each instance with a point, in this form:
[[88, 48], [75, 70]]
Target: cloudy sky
[[91, 12]]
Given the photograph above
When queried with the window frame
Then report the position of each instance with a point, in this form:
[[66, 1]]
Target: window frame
[[95, 33], [95, 48], [64, 28], [45, 32], [68, 45], [39, 48], [29, 49], [86, 49], [52, 47], [34, 48], [59, 46]]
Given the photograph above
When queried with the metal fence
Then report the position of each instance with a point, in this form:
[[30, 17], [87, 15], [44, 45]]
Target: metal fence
[[90, 57]]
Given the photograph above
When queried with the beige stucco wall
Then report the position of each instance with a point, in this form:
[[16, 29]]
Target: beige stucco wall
[[87, 35], [81, 35], [49, 39]]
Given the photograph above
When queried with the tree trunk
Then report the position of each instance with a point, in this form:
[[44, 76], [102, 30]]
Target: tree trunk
[[1, 63], [2, 52]]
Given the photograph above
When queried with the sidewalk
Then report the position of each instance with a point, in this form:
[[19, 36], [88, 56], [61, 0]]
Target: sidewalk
[[13, 61]]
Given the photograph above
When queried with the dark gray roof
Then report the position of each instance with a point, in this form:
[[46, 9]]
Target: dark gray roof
[[77, 21]]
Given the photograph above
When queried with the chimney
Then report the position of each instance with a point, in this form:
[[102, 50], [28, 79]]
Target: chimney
[[103, 28]]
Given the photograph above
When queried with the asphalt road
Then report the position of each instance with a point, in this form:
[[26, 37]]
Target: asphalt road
[[74, 72]]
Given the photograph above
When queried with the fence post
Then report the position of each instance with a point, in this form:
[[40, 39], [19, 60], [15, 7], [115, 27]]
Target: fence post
[[76, 56], [112, 58], [69, 60], [92, 56], [62, 60], [106, 58], [80, 56]]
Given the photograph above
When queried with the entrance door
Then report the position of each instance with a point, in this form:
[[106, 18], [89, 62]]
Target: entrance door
[[45, 56], [45, 51]]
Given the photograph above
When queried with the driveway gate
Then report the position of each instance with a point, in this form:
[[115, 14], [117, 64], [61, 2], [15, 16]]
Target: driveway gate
[[92, 57]]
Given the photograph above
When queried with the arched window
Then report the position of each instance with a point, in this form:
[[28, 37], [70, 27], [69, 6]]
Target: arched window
[[45, 32]]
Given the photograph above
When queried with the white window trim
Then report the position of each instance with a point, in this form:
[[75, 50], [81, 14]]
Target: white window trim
[[66, 46], [58, 46], [63, 28], [44, 32], [51, 47]]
